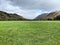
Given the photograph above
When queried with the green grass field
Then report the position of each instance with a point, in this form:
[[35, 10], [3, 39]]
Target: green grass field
[[29, 33]]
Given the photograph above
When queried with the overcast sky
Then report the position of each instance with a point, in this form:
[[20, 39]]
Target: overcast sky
[[29, 8]]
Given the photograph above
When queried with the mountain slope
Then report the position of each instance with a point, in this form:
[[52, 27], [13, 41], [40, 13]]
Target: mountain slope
[[53, 15], [41, 17], [8, 16], [49, 16]]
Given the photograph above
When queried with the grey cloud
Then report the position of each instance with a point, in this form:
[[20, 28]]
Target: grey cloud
[[29, 8], [36, 4]]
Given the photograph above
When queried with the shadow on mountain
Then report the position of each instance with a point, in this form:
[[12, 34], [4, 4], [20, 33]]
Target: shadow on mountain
[[9, 16]]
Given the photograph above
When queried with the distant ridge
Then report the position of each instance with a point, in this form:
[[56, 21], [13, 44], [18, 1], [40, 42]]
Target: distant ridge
[[41, 17], [9, 16], [4, 16], [49, 16]]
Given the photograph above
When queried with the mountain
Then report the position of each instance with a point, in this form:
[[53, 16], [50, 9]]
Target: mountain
[[41, 17], [9, 16], [54, 15], [49, 16], [45, 16]]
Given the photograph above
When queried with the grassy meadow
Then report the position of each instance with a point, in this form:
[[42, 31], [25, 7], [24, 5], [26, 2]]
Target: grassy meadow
[[29, 33]]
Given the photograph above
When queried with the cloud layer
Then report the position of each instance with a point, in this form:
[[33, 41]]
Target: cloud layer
[[37, 4], [29, 8]]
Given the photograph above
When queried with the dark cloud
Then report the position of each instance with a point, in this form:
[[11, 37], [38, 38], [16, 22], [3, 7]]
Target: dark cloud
[[36, 4]]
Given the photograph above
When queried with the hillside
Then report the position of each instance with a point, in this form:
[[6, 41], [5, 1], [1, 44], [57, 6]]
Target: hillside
[[54, 15], [9, 16], [41, 17], [49, 16], [45, 16]]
